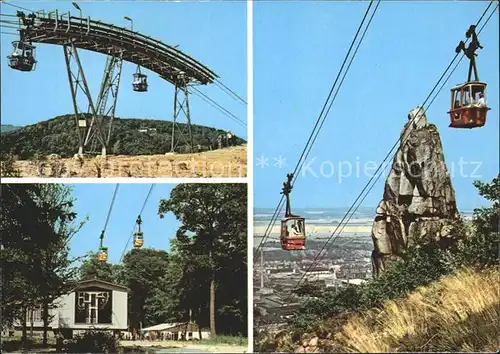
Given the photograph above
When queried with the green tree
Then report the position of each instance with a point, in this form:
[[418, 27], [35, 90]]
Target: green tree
[[92, 268], [480, 247], [214, 222], [143, 270], [17, 242], [37, 225], [52, 266]]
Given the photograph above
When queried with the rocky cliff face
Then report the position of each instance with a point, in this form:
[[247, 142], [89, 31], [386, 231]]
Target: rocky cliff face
[[418, 205]]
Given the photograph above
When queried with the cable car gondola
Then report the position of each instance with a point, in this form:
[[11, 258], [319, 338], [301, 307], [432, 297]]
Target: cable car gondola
[[139, 235], [140, 83], [22, 57], [103, 254], [468, 100], [293, 233]]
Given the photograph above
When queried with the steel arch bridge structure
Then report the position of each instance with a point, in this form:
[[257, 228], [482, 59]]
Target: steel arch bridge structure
[[119, 45]]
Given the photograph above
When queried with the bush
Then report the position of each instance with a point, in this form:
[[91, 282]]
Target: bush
[[94, 341], [7, 168]]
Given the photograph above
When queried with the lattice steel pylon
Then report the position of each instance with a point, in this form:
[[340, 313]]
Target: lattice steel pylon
[[181, 108], [78, 83], [120, 45], [110, 84]]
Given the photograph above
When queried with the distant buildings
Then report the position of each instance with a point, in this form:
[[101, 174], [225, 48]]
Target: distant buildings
[[176, 331], [147, 130]]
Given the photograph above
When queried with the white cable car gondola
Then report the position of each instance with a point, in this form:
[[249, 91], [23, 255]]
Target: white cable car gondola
[[140, 83], [23, 56]]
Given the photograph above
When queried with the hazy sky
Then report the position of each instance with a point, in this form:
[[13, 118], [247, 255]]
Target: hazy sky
[[213, 33], [299, 48], [93, 200]]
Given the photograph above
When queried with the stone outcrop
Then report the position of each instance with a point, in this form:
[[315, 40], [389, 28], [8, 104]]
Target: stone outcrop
[[418, 204]]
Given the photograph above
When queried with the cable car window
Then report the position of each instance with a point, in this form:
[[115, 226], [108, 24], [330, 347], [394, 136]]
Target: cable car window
[[467, 96], [299, 226], [476, 91], [294, 228], [458, 99]]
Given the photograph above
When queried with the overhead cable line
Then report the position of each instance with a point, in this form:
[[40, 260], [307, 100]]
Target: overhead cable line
[[101, 237], [111, 207], [383, 164], [229, 91], [218, 106], [19, 7], [213, 105], [320, 119]]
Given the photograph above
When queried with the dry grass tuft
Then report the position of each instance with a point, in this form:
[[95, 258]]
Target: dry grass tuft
[[458, 313]]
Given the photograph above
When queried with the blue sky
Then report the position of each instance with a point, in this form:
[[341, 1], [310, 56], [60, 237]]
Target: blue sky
[[93, 200], [298, 50], [214, 33]]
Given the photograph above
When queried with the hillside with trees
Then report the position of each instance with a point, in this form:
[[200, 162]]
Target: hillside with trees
[[433, 299], [129, 137]]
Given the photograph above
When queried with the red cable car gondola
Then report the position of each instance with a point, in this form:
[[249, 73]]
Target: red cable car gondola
[[293, 232], [468, 100]]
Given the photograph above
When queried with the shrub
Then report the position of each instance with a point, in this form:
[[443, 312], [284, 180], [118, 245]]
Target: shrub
[[7, 168], [94, 341]]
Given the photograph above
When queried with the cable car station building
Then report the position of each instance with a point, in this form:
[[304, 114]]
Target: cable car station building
[[92, 304]]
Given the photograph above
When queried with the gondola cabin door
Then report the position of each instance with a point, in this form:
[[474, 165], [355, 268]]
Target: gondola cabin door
[[293, 234], [468, 105]]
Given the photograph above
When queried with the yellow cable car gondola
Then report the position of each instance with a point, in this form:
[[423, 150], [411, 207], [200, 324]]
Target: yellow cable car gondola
[[293, 232], [138, 239], [468, 100], [139, 235], [103, 254]]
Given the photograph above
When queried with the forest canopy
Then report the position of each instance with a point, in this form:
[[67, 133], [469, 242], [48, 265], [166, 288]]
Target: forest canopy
[[129, 137]]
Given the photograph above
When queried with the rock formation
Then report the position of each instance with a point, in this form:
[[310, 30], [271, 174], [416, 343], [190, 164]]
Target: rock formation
[[418, 205]]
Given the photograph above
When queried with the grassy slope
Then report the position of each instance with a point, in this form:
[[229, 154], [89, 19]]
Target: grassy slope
[[458, 313]]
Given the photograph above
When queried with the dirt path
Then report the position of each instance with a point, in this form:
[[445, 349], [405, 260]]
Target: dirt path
[[172, 346], [229, 162]]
